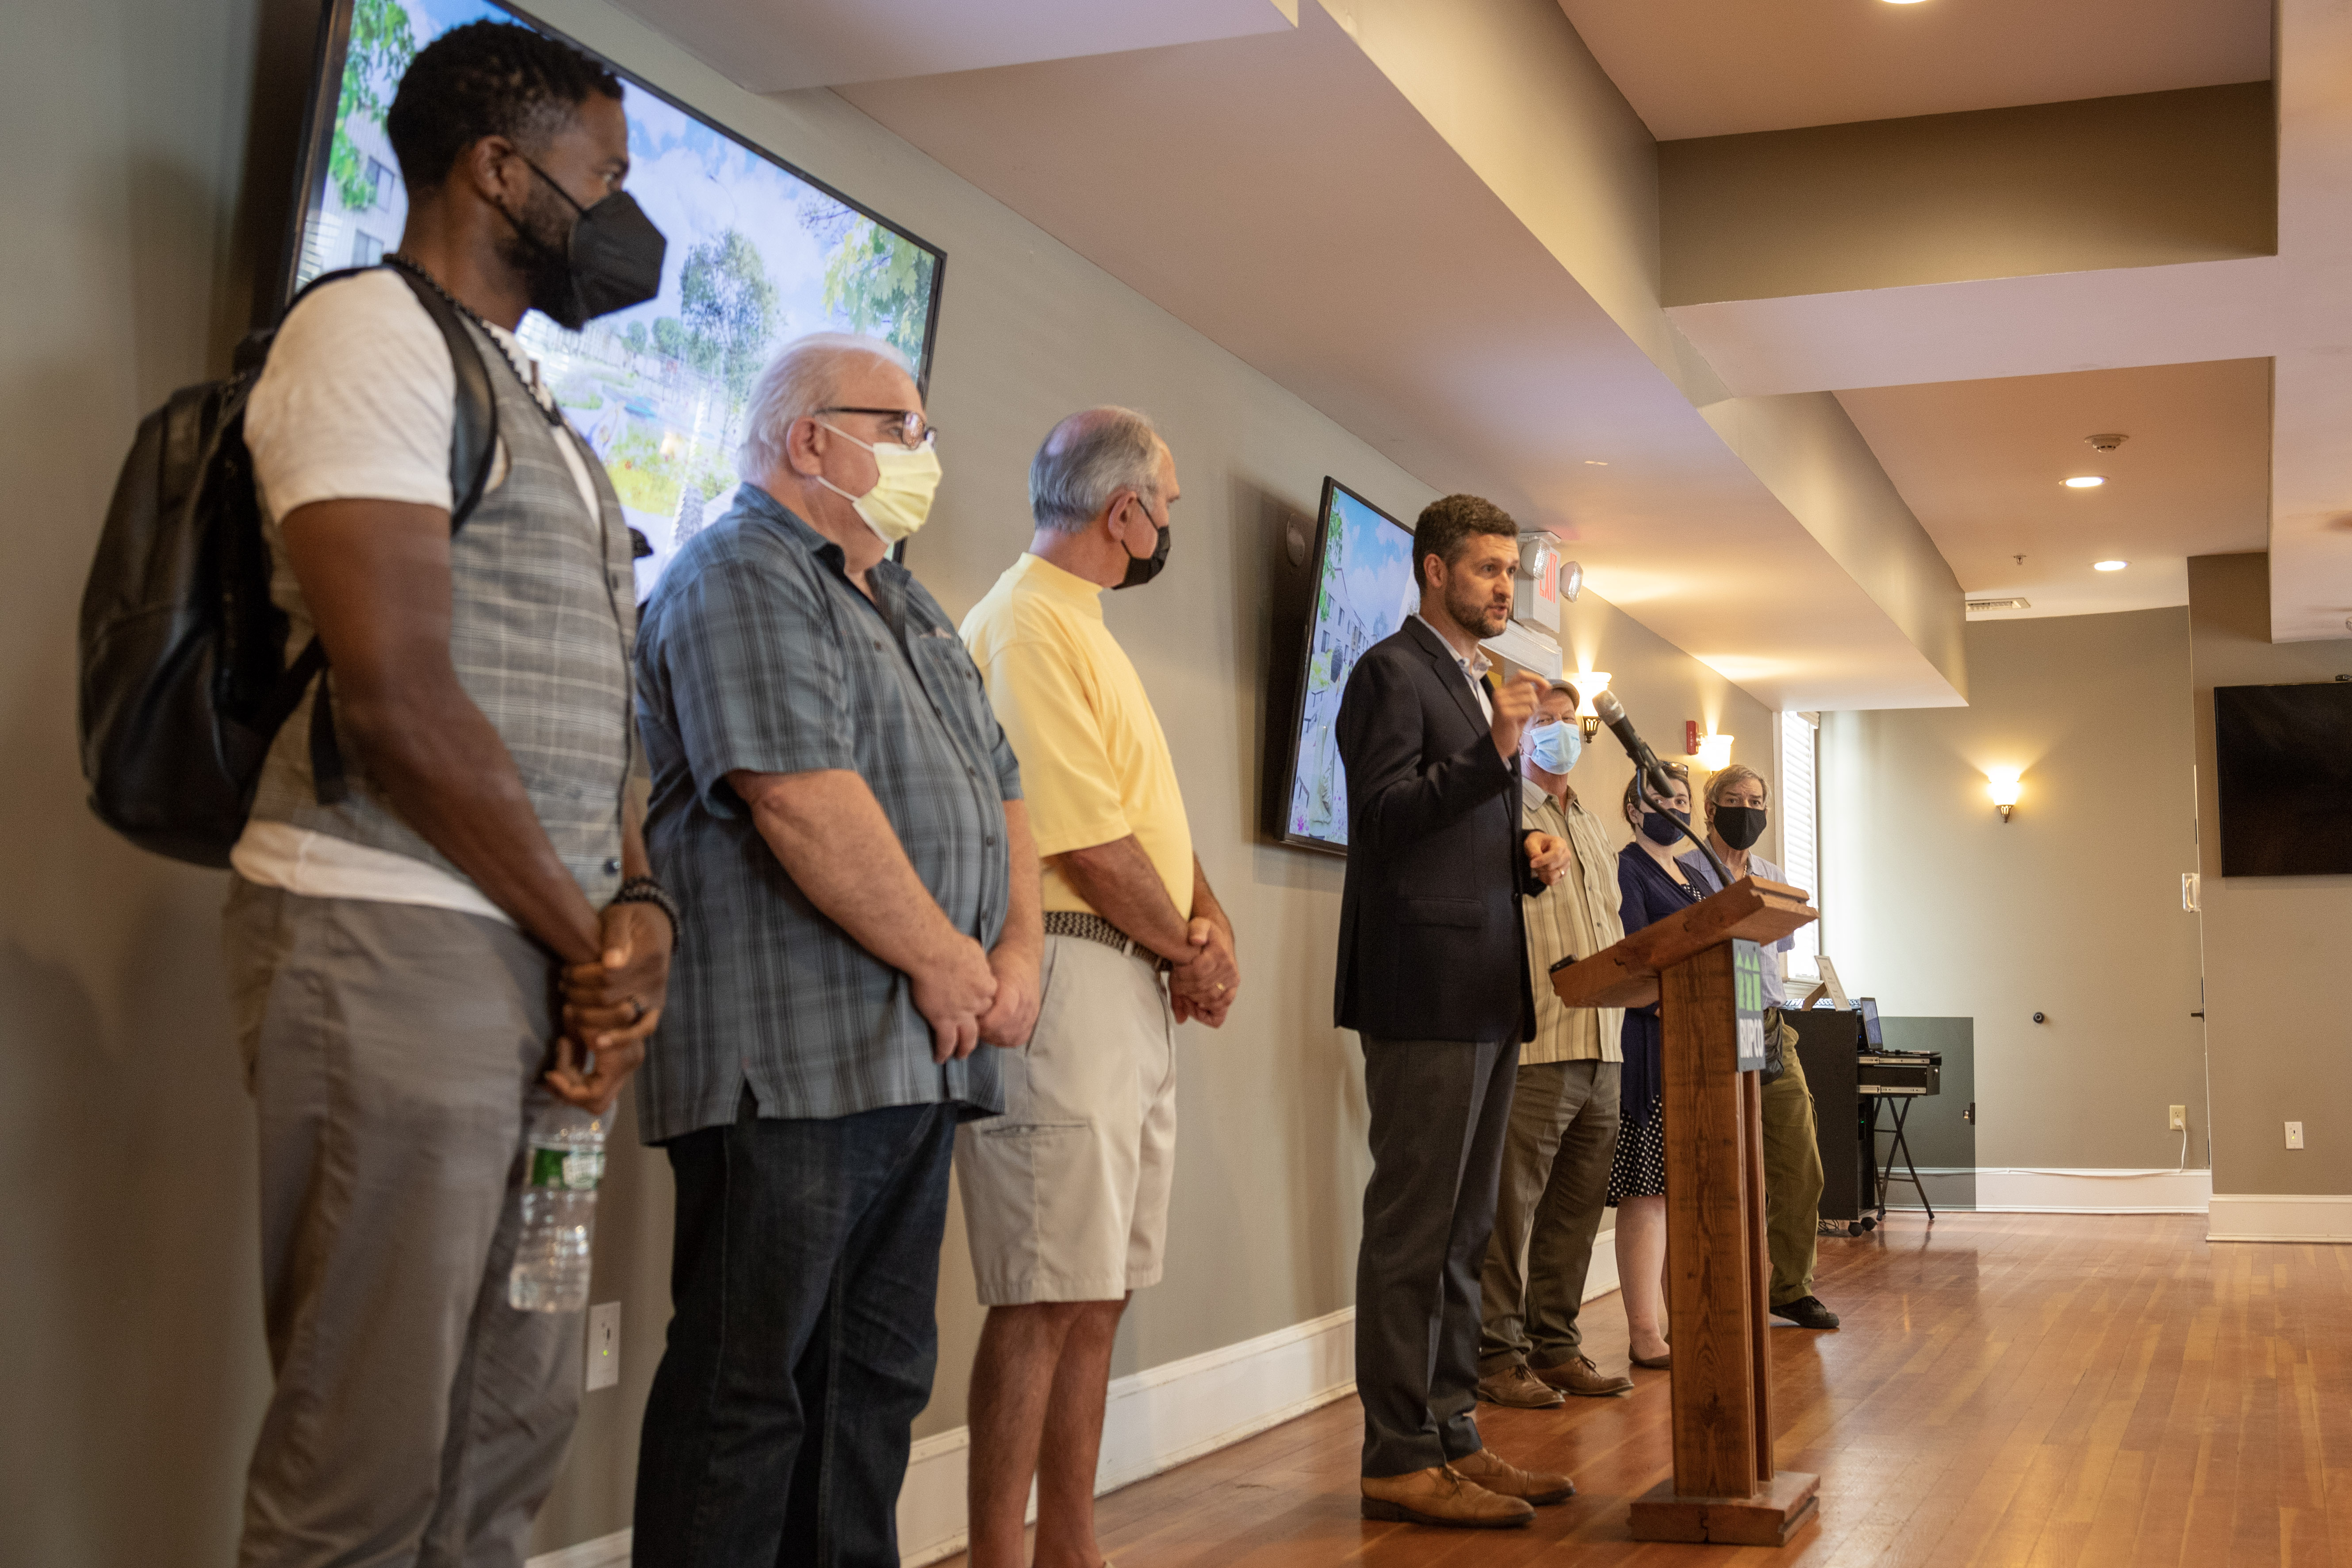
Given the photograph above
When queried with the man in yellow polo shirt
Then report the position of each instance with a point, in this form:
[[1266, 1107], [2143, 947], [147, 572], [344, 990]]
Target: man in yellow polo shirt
[[1066, 1195]]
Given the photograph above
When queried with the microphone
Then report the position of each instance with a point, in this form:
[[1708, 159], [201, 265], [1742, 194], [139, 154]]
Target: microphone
[[1646, 763]]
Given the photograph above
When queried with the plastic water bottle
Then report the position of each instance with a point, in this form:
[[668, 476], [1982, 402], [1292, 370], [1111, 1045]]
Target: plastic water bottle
[[559, 1211]]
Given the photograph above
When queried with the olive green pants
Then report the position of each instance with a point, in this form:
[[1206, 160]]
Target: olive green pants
[[1792, 1176]]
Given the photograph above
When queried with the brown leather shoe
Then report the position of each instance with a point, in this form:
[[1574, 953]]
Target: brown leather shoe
[[1441, 1496], [1581, 1376], [1489, 1469], [1516, 1387]]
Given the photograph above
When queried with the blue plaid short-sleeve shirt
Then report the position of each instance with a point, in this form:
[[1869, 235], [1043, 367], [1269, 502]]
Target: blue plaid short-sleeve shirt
[[757, 652]]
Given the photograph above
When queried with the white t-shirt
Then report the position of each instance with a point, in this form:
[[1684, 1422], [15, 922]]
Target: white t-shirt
[[357, 403]]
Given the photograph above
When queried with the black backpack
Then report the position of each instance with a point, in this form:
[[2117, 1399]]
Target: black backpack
[[184, 681]]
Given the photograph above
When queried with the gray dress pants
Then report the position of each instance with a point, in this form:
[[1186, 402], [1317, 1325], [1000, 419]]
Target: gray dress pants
[[393, 1054], [1438, 1112]]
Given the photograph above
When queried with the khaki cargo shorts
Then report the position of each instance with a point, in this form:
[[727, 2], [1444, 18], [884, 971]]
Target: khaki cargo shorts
[[1066, 1195]]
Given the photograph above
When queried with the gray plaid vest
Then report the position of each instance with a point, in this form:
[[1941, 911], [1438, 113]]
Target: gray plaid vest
[[543, 615]]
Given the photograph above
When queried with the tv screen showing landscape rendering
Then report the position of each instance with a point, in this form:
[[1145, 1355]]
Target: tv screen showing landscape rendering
[[2283, 767], [758, 254], [1363, 591]]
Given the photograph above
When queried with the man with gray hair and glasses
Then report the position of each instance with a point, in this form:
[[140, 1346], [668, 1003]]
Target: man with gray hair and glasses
[[844, 823], [1065, 1193]]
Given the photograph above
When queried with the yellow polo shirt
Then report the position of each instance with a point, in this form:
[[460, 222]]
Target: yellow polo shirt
[[1095, 765]]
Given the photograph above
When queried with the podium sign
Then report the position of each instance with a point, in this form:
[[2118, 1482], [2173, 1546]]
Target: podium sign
[[1704, 966], [1748, 963]]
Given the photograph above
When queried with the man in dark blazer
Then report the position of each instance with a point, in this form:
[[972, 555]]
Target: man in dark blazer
[[1432, 975]]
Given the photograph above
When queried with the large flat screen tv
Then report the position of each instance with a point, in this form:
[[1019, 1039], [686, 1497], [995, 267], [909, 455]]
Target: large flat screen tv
[[759, 254], [2284, 761], [1363, 591]]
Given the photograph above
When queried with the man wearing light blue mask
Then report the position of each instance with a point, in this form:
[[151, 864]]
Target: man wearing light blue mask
[[1564, 1105]]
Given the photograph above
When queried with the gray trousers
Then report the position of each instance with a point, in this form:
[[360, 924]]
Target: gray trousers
[[1556, 1155], [1438, 1108], [394, 1053]]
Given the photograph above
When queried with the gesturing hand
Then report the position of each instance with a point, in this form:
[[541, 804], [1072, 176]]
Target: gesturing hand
[[610, 1006], [1514, 703], [1202, 986], [1548, 855], [953, 992]]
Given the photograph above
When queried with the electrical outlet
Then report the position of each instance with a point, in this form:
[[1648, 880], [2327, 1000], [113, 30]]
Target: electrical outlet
[[603, 1345], [2179, 1122], [2295, 1134]]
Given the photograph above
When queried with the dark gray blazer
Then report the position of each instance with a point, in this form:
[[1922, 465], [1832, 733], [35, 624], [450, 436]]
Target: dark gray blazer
[[1432, 935]]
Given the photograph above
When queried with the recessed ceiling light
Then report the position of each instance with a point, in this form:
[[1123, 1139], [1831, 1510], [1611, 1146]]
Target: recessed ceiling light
[[2109, 565], [1903, 2], [2087, 481], [1596, 462]]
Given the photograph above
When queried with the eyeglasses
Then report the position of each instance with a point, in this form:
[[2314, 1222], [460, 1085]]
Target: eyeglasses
[[908, 428]]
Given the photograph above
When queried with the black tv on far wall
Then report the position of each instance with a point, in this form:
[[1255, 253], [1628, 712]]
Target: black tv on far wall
[[2284, 766], [1363, 591]]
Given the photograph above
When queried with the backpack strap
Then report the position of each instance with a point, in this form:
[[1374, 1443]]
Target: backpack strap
[[473, 449], [473, 434]]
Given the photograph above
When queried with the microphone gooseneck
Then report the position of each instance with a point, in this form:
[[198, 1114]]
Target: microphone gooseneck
[[1646, 763]]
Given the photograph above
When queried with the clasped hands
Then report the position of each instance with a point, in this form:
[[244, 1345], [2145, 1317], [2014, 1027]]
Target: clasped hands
[[972, 996], [611, 1006], [1202, 985]]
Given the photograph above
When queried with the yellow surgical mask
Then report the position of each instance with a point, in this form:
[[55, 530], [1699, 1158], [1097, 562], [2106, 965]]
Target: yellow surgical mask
[[901, 498]]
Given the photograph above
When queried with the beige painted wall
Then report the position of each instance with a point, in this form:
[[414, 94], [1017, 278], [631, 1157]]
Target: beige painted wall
[[2276, 948], [2136, 181], [130, 1320], [2073, 909]]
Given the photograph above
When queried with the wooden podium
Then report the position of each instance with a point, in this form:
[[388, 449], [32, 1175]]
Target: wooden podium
[[1705, 965]]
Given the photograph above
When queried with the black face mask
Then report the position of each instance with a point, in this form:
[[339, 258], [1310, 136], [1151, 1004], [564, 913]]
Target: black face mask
[[1740, 826], [1664, 828], [612, 260], [1142, 569]]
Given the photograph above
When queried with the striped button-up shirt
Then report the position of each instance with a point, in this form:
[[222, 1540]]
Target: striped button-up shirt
[[1576, 916], [758, 653]]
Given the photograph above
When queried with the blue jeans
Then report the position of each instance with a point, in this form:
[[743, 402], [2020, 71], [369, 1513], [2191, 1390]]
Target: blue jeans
[[801, 1343]]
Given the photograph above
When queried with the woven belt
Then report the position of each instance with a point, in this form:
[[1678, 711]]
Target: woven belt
[[1092, 927]]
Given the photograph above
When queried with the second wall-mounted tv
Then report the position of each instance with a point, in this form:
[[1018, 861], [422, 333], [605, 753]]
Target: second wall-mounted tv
[[2283, 755], [759, 254], [1363, 591]]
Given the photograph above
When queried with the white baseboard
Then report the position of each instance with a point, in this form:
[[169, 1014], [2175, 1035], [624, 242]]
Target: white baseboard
[[2089, 1190], [1152, 1421], [2281, 1216]]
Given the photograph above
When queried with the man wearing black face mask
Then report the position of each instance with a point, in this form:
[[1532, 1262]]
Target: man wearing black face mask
[[1065, 1193], [426, 961], [1792, 1155]]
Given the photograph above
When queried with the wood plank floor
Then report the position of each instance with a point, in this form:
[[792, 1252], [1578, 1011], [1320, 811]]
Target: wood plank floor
[[2008, 1389]]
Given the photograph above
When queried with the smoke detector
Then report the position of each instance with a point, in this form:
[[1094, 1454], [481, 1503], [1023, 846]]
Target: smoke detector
[[2107, 443]]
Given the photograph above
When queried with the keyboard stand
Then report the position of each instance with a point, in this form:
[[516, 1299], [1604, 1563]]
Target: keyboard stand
[[1900, 1148]]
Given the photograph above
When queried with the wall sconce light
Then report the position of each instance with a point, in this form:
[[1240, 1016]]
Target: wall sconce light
[[2003, 789], [1715, 751], [1589, 685]]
